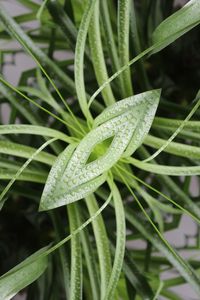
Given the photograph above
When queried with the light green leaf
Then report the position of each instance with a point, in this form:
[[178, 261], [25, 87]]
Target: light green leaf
[[23, 167], [35, 130], [176, 132], [6, 92], [121, 121], [52, 195], [47, 97], [79, 59], [33, 267], [37, 54], [23, 274], [123, 42], [176, 25], [164, 207], [40, 95], [91, 261], [76, 255], [179, 149], [120, 243], [174, 123], [143, 107], [30, 4], [111, 45], [166, 170], [98, 55], [155, 205], [10, 148], [102, 243], [41, 9], [38, 177], [168, 31], [127, 121]]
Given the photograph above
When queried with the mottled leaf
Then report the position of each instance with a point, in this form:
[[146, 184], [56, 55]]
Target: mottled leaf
[[73, 177]]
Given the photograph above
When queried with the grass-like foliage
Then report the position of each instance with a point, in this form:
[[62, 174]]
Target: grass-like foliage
[[99, 150]]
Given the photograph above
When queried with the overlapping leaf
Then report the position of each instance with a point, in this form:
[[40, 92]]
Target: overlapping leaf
[[73, 177]]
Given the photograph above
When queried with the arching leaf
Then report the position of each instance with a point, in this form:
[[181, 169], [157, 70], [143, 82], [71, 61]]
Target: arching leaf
[[73, 177], [23, 274]]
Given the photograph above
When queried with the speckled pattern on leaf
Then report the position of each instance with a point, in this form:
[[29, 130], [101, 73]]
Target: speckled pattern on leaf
[[127, 121]]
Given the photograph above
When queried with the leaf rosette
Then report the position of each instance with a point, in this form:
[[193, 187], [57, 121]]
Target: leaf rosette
[[73, 177]]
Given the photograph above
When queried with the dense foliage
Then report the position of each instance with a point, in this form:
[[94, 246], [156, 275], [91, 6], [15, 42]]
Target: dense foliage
[[100, 149]]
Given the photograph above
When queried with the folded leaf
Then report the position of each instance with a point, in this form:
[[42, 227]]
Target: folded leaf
[[73, 177]]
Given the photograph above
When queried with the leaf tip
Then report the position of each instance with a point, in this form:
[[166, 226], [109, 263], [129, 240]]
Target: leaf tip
[[158, 92], [41, 208]]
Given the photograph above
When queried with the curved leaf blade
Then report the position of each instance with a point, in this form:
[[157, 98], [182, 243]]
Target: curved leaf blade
[[120, 242], [53, 197], [35, 130], [176, 25], [166, 170], [23, 274], [72, 177]]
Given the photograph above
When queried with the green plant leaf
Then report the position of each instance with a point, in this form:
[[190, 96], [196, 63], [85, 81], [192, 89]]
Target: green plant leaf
[[41, 9], [179, 149], [30, 4], [123, 43], [98, 55], [176, 132], [65, 23], [100, 149], [120, 243], [174, 123], [39, 177], [32, 49], [79, 59], [176, 25], [102, 244], [174, 258], [10, 148], [90, 258], [76, 254], [33, 267], [137, 278], [144, 107], [156, 206], [128, 121], [110, 40], [23, 274], [166, 170], [25, 111], [35, 130], [43, 93], [162, 37], [53, 196], [23, 167]]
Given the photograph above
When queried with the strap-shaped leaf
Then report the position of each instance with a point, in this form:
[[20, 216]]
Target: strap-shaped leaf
[[73, 177], [23, 274], [177, 24]]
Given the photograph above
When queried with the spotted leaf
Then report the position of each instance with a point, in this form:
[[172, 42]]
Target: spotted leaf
[[74, 176]]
